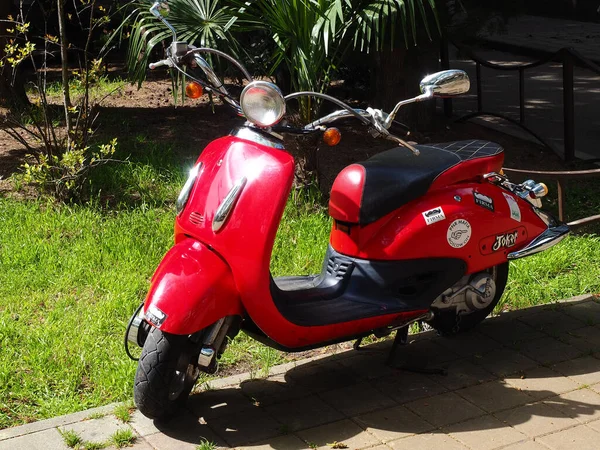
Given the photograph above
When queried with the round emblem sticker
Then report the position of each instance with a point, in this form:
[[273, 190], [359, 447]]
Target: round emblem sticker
[[459, 233]]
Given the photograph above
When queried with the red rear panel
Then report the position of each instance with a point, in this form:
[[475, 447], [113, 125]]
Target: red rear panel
[[474, 223]]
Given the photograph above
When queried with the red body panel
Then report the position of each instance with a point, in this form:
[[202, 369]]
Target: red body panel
[[346, 194], [193, 287], [229, 272], [404, 233]]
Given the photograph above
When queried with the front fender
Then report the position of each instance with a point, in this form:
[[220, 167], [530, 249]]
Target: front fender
[[191, 289]]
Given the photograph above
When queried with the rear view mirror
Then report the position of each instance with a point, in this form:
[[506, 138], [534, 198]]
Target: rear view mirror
[[446, 83]]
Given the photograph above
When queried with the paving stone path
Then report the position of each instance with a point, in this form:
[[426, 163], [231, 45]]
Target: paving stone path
[[527, 379]]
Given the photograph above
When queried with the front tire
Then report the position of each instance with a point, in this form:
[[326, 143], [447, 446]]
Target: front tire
[[166, 373]]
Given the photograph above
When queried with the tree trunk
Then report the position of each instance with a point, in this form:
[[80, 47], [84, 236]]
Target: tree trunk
[[12, 91], [64, 45], [396, 76]]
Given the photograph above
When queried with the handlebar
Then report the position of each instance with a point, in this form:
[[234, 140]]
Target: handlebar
[[162, 62], [180, 52]]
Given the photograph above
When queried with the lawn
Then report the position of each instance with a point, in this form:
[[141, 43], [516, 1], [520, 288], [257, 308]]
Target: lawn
[[71, 275]]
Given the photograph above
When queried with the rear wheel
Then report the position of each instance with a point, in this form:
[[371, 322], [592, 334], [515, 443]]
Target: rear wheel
[[166, 373], [456, 319]]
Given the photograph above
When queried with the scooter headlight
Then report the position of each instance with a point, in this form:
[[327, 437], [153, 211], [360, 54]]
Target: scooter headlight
[[184, 195], [262, 103]]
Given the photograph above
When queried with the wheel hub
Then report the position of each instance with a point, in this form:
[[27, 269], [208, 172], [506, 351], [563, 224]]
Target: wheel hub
[[482, 293]]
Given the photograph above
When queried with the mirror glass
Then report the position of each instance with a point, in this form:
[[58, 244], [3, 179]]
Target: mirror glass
[[446, 83]]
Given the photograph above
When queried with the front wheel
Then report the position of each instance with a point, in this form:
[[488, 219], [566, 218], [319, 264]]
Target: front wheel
[[166, 373], [448, 322]]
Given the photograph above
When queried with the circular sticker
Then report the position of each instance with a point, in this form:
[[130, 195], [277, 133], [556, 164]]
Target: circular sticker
[[459, 233]]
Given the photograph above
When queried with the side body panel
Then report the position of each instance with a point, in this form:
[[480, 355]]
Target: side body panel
[[475, 223], [191, 289]]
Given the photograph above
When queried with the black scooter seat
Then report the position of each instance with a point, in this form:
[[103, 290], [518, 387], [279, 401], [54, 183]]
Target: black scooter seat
[[395, 177]]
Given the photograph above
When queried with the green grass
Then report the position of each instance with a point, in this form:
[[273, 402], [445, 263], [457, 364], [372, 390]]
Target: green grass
[[98, 89], [122, 438], [71, 276], [123, 411], [206, 445], [71, 438]]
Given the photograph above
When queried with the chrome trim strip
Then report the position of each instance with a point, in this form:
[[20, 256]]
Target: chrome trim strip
[[549, 238], [260, 138], [227, 204]]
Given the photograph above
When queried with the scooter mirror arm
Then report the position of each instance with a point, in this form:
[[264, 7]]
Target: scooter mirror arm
[[155, 11], [230, 100], [420, 98], [231, 59]]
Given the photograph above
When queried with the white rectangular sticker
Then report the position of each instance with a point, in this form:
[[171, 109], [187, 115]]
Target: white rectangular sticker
[[515, 211], [434, 215]]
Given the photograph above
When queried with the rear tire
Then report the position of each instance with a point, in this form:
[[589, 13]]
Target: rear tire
[[166, 373], [445, 321]]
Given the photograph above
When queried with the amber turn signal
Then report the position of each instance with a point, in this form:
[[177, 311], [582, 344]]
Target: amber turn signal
[[193, 90], [332, 136]]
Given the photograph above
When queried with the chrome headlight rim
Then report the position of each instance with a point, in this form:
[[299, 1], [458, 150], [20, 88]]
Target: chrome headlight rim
[[184, 195], [250, 104]]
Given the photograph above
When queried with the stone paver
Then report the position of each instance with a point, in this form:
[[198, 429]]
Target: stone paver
[[585, 370], [586, 339], [303, 413], [96, 430], [553, 322], [345, 432], [407, 386], [526, 445], [548, 350], [428, 442], [393, 423], [288, 442], [504, 362], [542, 382], [495, 396], [43, 440], [484, 433], [536, 419], [582, 404], [444, 409], [580, 438], [357, 399], [463, 373], [243, 428], [503, 390]]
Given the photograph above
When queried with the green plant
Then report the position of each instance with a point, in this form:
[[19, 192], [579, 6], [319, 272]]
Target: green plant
[[312, 36], [89, 445], [206, 445], [71, 438], [123, 411], [66, 172], [123, 438], [205, 23], [66, 153]]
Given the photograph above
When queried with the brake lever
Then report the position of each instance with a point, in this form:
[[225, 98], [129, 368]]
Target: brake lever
[[379, 130]]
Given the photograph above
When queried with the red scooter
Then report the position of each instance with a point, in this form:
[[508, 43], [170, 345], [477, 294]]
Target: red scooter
[[420, 233]]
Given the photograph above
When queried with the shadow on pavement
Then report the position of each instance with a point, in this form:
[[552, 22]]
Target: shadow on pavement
[[511, 371]]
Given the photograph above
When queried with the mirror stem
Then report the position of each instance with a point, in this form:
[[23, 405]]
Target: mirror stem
[[392, 115], [156, 13]]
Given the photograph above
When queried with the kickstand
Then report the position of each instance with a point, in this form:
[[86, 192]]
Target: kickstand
[[401, 338], [356, 345]]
